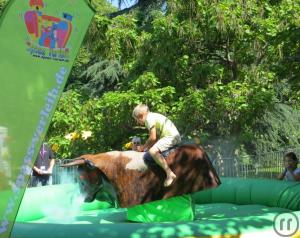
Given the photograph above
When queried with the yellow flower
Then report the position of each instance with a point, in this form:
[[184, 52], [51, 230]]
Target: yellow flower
[[128, 145], [55, 147], [75, 135], [72, 136], [197, 140], [86, 134]]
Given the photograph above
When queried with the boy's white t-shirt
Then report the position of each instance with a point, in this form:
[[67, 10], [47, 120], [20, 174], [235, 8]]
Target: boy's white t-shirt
[[164, 126], [288, 176]]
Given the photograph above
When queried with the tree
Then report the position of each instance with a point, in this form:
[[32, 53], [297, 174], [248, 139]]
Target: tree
[[217, 68], [2, 5]]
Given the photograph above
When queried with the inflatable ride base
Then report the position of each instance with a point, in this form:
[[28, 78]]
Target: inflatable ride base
[[63, 204], [237, 208]]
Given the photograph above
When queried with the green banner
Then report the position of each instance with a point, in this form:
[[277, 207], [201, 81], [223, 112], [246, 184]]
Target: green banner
[[38, 45]]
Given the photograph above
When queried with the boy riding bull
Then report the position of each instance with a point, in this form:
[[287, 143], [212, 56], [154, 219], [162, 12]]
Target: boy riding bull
[[162, 135]]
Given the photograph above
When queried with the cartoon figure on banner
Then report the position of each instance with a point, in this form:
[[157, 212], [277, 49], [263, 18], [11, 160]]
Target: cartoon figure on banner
[[48, 35]]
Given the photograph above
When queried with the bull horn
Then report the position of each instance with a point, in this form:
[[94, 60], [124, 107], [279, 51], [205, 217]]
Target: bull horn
[[77, 161]]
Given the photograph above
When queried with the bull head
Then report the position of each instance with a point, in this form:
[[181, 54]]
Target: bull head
[[89, 177], [92, 181]]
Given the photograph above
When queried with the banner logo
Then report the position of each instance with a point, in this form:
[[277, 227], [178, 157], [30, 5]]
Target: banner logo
[[48, 35]]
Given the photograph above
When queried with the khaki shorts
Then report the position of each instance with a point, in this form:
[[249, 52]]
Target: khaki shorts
[[167, 142]]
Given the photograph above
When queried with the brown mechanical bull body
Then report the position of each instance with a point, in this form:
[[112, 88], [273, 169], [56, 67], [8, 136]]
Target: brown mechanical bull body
[[126, 177]]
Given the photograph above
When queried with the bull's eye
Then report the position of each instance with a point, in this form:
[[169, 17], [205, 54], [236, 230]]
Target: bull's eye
[[93, 174], [93, 177]]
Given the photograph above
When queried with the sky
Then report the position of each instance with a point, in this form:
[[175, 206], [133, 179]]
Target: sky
[[128, 3]]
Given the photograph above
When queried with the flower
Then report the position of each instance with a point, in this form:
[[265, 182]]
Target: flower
[[72, 136], [128, 145], [68, 136], [55, 147], [86, 134], [197, 140]]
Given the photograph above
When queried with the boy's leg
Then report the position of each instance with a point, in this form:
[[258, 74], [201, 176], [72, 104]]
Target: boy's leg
[[154, 152]]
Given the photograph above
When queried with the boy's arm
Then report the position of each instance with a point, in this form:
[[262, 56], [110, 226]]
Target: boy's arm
[[151, 140]]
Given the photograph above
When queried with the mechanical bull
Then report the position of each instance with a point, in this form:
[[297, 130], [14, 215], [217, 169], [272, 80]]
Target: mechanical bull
[[130, 178]]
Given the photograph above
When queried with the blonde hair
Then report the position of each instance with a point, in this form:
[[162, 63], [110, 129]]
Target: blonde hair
[[140, 109]]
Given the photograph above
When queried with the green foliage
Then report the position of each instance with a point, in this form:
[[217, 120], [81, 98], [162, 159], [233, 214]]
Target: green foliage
[[145, 82], [102, 6], [2, 5], [117, 37], [108, 118], [112, 41], [103, 75], [70, 116], [223, 109], [278, 128], [148, 12], [217, 68], [83, 59]]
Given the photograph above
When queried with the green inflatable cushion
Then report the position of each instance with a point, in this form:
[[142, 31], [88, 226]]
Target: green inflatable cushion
[[52, 197], [177, 209]]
